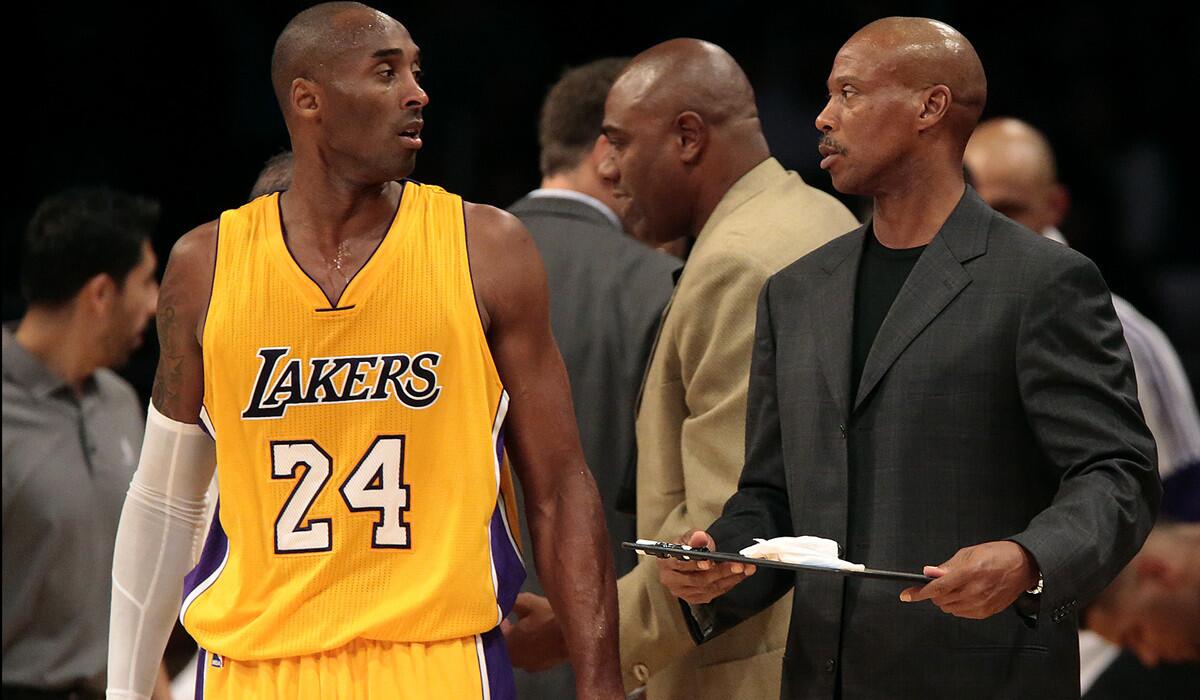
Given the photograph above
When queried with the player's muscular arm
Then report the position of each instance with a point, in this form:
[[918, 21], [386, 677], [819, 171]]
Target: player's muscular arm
[[182, 301], [561, 500], [165, 507]]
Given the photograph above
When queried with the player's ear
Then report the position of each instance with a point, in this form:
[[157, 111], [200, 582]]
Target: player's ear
[[304, 97]]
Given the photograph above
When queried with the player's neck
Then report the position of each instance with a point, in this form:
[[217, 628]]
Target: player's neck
[[333, 209], [57, 338], [913, 213]]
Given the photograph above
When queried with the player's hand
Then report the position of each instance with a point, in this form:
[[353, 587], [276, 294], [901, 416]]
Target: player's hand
[[699, 581], [978, 582], [535, 641]]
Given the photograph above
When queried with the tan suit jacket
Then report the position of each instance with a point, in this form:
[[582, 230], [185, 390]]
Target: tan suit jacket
[[691, 431]]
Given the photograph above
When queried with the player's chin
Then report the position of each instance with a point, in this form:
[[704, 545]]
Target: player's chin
[[403, 165]]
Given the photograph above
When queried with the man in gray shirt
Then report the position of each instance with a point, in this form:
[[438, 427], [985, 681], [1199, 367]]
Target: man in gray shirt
[[72, 430], [607, 293]]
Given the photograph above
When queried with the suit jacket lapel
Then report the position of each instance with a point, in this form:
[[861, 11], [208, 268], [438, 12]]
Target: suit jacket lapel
[[750, 185], [835, 316], [936, 279], [662, 321]]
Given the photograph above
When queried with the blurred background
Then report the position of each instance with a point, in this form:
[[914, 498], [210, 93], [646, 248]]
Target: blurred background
[[174, 102]]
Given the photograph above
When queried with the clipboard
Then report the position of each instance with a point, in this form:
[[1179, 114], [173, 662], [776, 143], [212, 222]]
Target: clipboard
[[664, 550]]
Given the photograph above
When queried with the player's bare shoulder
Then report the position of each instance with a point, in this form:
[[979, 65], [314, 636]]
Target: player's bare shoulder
[[182, 302], [505, 264], [187, 282]]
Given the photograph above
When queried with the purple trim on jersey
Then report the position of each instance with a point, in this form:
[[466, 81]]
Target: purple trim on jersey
[[211, 557], [200, 666], [501, 684], [510, 571]]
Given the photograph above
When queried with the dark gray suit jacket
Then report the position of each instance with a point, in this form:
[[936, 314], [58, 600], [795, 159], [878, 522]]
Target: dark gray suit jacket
[[997, 402], [607, 293]]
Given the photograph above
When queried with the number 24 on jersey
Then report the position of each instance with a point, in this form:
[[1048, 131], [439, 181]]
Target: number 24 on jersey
[[375, 484]]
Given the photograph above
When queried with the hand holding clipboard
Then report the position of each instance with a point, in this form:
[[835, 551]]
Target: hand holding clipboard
[[686, 553], [696, 573]]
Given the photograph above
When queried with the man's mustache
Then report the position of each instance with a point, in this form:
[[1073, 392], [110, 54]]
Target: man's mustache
[[828, 142]]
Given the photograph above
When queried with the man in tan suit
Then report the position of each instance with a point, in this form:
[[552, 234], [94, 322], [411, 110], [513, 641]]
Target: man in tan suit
[[689, 152], [690, 156]]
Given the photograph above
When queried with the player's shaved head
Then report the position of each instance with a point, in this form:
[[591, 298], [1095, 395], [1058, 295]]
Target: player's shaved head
[[315, 38], [683, 75], [920, 52], [347, 78]]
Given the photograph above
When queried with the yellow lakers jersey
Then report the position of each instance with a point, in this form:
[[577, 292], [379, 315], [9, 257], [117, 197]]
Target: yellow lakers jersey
[[363, 487]]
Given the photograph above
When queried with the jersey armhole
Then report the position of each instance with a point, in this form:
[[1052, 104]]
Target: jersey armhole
[[483, 335], [471, 272], [212, 293]]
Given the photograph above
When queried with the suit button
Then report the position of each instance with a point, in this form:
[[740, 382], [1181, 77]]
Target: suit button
[[842, 429], [830, 664], [641, 672]]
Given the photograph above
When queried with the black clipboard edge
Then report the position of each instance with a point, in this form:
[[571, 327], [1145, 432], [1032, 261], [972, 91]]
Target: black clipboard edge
[[662, 550]]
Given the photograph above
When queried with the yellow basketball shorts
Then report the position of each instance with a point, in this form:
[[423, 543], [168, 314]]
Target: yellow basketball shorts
[[469, 668]]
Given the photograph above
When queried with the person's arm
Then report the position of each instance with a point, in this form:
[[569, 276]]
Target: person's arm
[[162, 685], [566, 522], [1077, 386], [759, 508], [166, 504]]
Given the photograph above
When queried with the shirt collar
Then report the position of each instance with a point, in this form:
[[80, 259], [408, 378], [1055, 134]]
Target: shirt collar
[[578, 197], [1054, 234], [23, 368]]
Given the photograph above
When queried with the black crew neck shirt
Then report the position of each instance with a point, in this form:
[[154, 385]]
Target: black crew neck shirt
[[881, 274]]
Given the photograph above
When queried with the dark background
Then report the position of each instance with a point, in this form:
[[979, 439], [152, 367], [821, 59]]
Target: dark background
[[174, 102]]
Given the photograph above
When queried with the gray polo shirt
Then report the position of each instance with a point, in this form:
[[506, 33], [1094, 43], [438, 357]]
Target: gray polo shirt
[[67, 464]]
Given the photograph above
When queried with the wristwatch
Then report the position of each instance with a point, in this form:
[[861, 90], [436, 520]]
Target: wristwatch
[[1037, 588]]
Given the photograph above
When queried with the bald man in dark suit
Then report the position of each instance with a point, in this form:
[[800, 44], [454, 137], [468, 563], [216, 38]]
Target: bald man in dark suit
[[939, 385]]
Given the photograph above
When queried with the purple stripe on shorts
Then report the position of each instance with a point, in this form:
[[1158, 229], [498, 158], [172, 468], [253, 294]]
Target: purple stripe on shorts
[[200, 666], [211, 557], [499, 671]]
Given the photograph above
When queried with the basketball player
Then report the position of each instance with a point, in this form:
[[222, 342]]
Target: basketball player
[[358, 347]]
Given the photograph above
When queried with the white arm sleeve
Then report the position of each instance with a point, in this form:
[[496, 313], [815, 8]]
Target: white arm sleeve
[[164, 513]]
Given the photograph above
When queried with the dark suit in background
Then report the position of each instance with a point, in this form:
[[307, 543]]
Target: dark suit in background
[[997, 402], [607, 293]]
